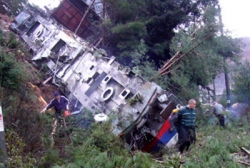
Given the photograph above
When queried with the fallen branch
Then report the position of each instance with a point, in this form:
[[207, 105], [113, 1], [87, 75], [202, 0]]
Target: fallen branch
[[84, 16], [166, 64], [237, 147], [245, 150], [99, 42], [176, 58], [243, 162], [167, 72], [48, 79], [158, 161]]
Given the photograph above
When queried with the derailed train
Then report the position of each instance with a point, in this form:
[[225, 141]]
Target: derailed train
[[93, 80]]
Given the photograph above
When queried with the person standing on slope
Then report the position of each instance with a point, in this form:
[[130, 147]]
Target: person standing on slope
[[60, 103], [218, 111], [186, 117]]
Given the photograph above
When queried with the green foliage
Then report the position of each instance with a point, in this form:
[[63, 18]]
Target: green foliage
[[204, 53], [20, 105], [128, 29], [215, 146], [27, 132], [241, 77], [152, 21], [12, 73], [141, 35], [2, 38], [142, 65], [12, 41], [16, 155], [228, 47], [50, 158], [137, 98], [97, 147]]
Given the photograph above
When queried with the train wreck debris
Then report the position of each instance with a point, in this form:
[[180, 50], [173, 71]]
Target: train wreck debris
[[93, 80]]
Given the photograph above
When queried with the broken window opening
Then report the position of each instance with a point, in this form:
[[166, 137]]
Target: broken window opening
[[88, 81], [124, 93], [107, 78], [107, 93], [58, 46], [95, 75], [33, 28], [92, 67], [64, 59], [31, 51]]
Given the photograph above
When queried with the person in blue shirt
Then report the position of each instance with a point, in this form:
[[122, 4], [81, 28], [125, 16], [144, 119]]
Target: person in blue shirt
[[60, 104]]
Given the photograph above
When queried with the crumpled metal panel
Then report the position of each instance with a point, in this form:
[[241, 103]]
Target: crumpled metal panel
[[22, 17]]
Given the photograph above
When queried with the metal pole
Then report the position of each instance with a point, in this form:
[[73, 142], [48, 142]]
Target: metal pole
[[3, 149]]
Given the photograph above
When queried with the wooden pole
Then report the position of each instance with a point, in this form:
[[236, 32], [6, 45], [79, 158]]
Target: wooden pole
[[84, 16], [103, 18], [101, 39], [48, 79]]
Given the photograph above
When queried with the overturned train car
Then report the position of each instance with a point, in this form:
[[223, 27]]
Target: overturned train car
[[91, 79]]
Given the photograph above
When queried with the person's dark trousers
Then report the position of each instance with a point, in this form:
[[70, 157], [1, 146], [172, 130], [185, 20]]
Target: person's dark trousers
[[186, 137], [58, 116], [221, 119]]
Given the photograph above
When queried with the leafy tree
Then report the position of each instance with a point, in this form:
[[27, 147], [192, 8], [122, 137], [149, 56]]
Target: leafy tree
[[143, 34], [153, 21], [241, 84], [202, 52]]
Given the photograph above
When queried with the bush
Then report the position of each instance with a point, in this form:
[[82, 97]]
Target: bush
[[16, 155], [215, 146], [99, 147], [12, 74]]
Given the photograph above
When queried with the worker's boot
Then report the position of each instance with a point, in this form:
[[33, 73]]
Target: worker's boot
[[60, 120]]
